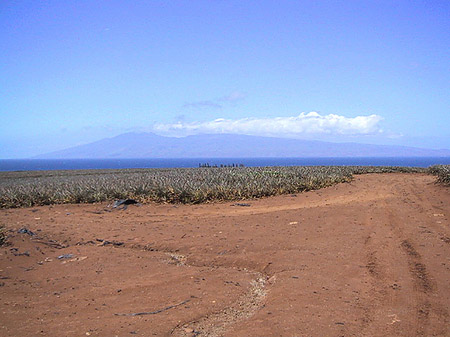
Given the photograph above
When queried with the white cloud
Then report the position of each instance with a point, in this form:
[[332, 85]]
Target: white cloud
[[302, 125]]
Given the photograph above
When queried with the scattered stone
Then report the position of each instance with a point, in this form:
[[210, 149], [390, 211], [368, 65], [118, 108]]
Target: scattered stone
[[124, 203], [395, 286], [25, 230], [106, 242], [15, 252], [241, 204], [65, 256], [75, 259]]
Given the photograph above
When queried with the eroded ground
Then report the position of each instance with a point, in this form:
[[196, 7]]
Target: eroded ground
[[367, 258]]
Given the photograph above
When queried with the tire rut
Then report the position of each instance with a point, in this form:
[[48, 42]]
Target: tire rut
[[213, 324], [381, 244], [417, 268], [216, 324], [377, 273], [423, 285]]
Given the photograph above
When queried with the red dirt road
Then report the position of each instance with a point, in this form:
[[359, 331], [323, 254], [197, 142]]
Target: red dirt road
[[366, 258]]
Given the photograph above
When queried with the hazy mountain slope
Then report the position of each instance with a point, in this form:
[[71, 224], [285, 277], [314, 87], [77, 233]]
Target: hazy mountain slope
[[149, 145]]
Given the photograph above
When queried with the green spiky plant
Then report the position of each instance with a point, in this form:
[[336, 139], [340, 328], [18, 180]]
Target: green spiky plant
[[442, 172], [176, 185], [3, 236]]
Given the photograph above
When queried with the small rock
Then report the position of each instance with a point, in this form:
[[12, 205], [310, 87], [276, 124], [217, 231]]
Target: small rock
[[65, 256], [25, 230]]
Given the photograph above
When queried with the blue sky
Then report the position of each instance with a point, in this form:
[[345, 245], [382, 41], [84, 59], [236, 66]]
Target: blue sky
[[72, 72]]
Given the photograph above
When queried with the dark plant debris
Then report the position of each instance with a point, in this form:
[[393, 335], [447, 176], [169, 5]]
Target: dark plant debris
[[153, 312]]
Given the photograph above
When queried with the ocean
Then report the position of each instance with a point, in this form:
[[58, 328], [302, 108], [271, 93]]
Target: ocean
[[84, 164]]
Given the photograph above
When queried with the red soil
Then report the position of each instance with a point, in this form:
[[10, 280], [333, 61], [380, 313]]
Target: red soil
[[366, 258]]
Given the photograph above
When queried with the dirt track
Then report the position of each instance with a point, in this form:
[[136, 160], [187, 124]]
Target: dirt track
[[367, 258]]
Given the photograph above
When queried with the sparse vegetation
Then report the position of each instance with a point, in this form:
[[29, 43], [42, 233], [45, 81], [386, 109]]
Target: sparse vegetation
[[3, 237], [187, 185], [442, 172]]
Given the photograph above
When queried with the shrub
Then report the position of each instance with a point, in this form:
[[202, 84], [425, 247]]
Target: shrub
[[442, 172]]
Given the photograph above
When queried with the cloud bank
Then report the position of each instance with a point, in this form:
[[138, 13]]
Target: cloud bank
[[311, 123]]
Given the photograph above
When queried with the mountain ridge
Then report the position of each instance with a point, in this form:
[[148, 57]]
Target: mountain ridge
[[150, 145]]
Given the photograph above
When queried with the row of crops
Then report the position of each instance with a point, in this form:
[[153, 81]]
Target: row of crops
[[442, 172], [184, 185]]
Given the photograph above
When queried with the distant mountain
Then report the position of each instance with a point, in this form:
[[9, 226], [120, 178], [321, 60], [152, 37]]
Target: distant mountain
[[149, 145]]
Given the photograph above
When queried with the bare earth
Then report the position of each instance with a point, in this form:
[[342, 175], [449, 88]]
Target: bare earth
[[366, 258]]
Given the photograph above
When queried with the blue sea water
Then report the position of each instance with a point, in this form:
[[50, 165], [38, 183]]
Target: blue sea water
[[83, 164]]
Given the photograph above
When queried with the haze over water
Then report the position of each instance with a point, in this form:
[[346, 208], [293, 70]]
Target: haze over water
[[82, 164]]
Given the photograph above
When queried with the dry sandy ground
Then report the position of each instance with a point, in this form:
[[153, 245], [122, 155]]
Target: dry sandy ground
[[366, 258]]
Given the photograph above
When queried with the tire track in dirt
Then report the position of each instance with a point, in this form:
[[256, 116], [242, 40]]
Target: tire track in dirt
[[417, 268], [418, 273], [389, 244], [213, 324], [430, 307], [256, 209], [380, 252], [380, 279], [435, 213], [424, 286]]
